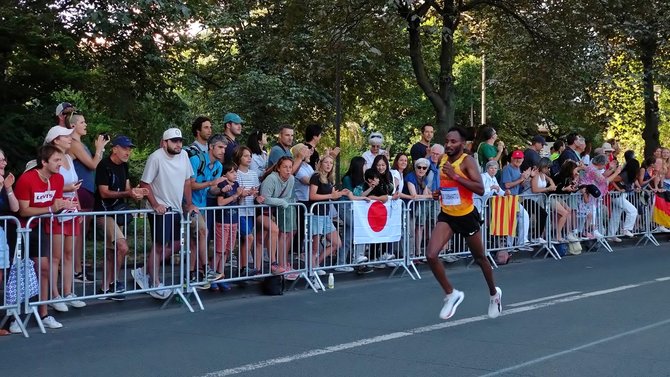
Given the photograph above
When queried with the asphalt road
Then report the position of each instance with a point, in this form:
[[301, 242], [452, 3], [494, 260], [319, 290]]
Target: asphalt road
[[598, 314]]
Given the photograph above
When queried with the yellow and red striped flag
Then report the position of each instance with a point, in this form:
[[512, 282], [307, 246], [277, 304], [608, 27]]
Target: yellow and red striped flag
[[503, 215]]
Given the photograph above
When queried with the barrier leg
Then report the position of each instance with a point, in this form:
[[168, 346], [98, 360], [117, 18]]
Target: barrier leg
[[14, 313]]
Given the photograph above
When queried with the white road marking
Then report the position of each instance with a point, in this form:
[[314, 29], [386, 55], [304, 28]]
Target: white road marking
[[663, 279], [439, 326], [543, 299], [578, 348]]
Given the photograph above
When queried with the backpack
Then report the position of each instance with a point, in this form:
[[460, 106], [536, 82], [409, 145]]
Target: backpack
[[193, 150], [273, 285]]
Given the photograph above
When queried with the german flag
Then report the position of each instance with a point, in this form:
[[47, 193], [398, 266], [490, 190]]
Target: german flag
[[503, 215], [661, 215]]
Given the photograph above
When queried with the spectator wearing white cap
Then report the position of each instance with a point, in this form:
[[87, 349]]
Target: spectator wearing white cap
[[375, 140], [167, 176], [67, 228]]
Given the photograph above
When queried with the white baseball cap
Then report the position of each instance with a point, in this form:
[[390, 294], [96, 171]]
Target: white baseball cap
[[172, 133], [55, 132]]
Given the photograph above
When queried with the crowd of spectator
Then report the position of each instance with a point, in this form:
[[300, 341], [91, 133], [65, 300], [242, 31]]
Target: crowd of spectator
[[219, 170]]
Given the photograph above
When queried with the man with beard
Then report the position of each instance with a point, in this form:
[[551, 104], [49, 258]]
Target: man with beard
[[459, 180], [167, 176]]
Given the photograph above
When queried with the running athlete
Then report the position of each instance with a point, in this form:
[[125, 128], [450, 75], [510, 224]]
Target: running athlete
[[459, 180]]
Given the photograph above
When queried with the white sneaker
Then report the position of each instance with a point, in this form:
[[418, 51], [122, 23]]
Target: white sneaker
[[614, 239], [539, 240], [59, 306], [572, 237], [160, 294], [344, 269], [140, 277], [628, 233], [392, 264], [495, 305], [525, 248], [597, 234], [361, 259], [451, 302], [14, 328], [387, 256], [662, 229], [450, 258], [75, 303], [321, 272], [50, 322]]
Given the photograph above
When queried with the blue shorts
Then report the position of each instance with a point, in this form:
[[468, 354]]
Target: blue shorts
[[165, 227], [246, 225], [322, 225]]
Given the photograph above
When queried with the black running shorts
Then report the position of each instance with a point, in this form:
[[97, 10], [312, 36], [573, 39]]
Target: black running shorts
[[466, 225]]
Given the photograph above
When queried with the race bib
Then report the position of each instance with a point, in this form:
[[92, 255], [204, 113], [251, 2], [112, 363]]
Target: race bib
[[450, 196]]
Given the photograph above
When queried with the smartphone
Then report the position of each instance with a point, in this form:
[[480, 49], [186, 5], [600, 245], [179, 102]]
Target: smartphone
[[105, 136], [79, 182]]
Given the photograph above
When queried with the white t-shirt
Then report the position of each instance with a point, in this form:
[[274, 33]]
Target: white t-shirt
[[370, 158], [166, 175], [300, 189], [247, 180], [69, 176], [259, 162], [398, 181]]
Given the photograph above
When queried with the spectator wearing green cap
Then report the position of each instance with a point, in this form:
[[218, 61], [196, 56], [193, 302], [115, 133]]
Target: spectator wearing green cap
[[232, 129]]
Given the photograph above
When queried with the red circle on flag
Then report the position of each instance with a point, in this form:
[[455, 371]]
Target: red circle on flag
[[377, 216]]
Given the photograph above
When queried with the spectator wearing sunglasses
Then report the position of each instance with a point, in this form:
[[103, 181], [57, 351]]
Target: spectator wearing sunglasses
[[375, 140]]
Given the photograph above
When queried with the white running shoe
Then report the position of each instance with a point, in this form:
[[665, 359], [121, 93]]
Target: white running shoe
[[140, 277], [160, 294], [572, 237], [628, 233], [495, 305], [75, 303], [14, 328], [451, 302], [597, 233], [50, 322], [59, 306], [361, 259]]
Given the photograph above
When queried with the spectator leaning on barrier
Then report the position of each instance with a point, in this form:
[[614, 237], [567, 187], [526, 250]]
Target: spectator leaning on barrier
[[301, 187], [226, 219], [421, 148], [376, 140], [232, 129], [256, 142], [623, 186], [416, 187], [40, 192], [436, 153], [322, 189], [113, 189], [84, 164], [277, 189], [513, 179], [67, 228], [207, 169], [541, 183], [398, 172], [167, 176]]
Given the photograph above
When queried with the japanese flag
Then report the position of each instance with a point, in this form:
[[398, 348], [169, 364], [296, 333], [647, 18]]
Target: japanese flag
[[376, 222]]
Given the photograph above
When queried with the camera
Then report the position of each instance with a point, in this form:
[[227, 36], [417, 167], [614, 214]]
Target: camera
[[105, 136]]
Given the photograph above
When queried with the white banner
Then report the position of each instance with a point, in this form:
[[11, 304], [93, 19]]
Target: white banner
[[377, 222]]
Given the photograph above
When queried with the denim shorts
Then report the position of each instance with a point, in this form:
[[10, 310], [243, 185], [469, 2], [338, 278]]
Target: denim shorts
[[322, 225]]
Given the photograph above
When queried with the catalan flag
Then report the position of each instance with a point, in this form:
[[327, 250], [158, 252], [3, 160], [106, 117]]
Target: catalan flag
[[661, 214], [503, 215]]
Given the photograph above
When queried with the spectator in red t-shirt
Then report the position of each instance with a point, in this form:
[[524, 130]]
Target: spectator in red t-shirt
[[40, 192]]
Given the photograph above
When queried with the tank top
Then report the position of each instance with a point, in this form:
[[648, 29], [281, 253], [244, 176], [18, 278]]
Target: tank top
[[69, 176], [455, 199], [83, 172]]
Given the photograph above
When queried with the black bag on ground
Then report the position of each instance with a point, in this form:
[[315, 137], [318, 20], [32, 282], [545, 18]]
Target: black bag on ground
[[273, 285]]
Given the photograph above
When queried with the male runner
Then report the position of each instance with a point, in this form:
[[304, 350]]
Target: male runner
[[459, 180]]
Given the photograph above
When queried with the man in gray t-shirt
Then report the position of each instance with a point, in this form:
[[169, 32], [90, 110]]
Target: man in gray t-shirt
[[167, 176]]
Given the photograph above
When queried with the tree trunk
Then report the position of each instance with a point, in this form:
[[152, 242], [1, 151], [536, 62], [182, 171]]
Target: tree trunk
[[650, 134]]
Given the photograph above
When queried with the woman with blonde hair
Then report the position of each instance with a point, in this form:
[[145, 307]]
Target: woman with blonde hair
[[322, 189]]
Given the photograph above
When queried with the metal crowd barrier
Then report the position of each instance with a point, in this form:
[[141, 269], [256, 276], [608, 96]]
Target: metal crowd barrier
[[421, 218], [118, 253], [247, 243], [331, 247], [10, 241]]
